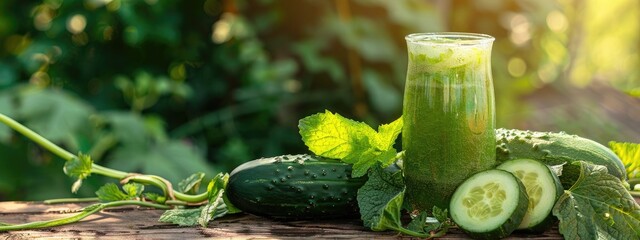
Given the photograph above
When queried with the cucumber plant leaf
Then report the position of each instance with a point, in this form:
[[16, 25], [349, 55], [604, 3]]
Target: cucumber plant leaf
[[629, 153], [79, 168], [217, 206], [381, 189], [182, 217], [418, 223], [52, 113], [437, 226], [597, 206], [191, 184], [197, 216], [111, 192], [388, 216], [155, 197], [133, 190], [634, 92], [214, 209], [334, 136], [380, 201]]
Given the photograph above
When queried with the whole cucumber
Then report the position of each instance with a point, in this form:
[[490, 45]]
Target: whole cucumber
[[295, 187], [553, 148]]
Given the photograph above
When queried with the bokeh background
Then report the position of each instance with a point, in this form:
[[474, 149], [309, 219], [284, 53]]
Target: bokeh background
[[173, 87]]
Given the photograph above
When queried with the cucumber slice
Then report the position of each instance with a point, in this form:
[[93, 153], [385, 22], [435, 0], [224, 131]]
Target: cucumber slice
[[543, 188], [489, 204]]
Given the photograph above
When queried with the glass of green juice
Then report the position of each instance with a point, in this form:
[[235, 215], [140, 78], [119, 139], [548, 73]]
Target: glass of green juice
[[448, 113]]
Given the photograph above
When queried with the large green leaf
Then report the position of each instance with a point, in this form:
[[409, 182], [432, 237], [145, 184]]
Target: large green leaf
[[54, 114], [128, 127], [333, 136], [597, 206], [629, 153], [174, 160], [375, 196]]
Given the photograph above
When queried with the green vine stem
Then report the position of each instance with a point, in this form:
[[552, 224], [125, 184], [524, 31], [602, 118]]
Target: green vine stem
[[70, 200], [55, 149], [411, 233], [100, 170], [75, 218]]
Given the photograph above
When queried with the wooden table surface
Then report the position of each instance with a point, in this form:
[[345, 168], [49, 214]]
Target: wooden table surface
[[140, 223]]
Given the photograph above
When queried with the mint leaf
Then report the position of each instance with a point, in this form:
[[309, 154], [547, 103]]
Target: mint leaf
[[191, 184], [629, 153], [597, 206], [182, 217], [388, 133], [78, 168], [374, 196], [111, 192], [333, 136], [368, 160]]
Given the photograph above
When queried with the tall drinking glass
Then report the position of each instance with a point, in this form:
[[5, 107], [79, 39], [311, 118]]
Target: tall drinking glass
[[448, 113]]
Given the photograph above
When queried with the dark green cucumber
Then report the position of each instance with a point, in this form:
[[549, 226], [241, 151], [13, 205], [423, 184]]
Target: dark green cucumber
[[295, 187], [556, 149], [489, 205], [543, 188]]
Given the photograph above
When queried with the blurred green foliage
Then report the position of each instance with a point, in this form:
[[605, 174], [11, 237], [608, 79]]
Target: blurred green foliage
[[177, 87]]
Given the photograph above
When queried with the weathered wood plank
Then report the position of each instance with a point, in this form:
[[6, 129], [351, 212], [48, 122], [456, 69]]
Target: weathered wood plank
[[137, 223]]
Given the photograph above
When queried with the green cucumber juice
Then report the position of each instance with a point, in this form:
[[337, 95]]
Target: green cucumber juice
[[448, 113]]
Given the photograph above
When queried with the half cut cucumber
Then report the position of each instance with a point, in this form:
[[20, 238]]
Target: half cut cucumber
[[543, 188], [489, 204]]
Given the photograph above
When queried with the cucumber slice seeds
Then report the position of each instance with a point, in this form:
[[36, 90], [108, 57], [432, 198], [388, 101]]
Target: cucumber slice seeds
[[543, 188], [489, 205]]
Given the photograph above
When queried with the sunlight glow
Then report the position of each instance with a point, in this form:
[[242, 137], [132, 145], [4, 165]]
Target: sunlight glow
[[517, 67], [520, 29], [547, 73], [42, 19], [222, 28], [40, 78], [76, 23], [557, 22]]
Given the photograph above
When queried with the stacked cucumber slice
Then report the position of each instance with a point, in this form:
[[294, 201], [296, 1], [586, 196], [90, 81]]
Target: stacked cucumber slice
[[519, 194], [543, 188]]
